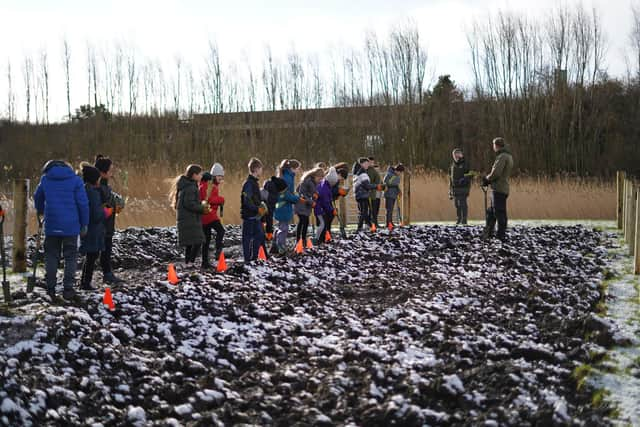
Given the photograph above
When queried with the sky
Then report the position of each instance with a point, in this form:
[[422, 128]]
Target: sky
[[166, 28]]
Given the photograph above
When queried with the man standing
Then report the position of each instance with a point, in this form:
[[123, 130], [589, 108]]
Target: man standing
[[498, 179], [459, 185]]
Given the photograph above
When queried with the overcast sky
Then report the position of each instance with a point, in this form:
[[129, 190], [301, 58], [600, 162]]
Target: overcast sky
[[164, 28]]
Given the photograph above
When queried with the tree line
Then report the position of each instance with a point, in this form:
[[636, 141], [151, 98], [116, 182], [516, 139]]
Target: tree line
[[541, 83]]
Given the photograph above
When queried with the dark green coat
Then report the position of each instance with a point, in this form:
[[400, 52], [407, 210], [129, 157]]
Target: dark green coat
[[501, 171], [374, 179], [459, 184], [189, 213]]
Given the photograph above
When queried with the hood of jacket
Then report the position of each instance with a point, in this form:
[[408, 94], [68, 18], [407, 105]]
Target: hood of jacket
[[58, 171]]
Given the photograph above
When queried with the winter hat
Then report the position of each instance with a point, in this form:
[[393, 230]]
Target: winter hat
[[103, 164], [217, 170], [456, 150], [206, 177], [399, 167], [332, 176], [90, 175], [279, 183]]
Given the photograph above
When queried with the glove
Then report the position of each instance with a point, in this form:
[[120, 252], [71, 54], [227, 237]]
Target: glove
[[119, 209], [315, 196], [335, 212], [84, 230], [107, 212], [342, 192], [485, 181], [313, 205], [263, 209], [302, 200]]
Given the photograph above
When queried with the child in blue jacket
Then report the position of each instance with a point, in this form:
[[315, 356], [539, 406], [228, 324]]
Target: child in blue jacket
[[62, 199], [252, 209], [286, 200]]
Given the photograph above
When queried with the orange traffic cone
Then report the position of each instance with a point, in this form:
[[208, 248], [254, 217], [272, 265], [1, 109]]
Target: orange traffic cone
[[262, 256], [390, 226], [222, 264], [373, 228], [327, 236], [299, 247], [309, 243], [172, 277], [108, 299]]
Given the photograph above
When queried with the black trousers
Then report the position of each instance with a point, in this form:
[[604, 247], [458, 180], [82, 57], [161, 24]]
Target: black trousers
[[208, 229], [191, 253], [497, 212], [105, 256], [87, 269], [375, 210], [326, 226], [301, 229], [363, 213], [268, 220], [390, 203], [462, 208]]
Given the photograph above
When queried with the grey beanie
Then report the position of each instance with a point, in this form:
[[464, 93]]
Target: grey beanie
[[332, 176], [217, 170]]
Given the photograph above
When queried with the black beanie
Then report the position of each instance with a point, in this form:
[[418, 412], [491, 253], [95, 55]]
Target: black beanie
[[103, 164], [206, 177], [90, 174]]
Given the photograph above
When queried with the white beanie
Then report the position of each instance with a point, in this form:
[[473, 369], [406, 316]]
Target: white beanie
[[332, 176], [217, 170]]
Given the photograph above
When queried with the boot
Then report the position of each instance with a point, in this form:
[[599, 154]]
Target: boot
[[111, 278], [489, 228]]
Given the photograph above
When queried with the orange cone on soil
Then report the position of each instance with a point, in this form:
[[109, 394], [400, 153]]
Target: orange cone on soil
[[108, 299], [262, 256], [299, 247], [172, 277], [327, 236], [309, 243], [373, 228], [222, 264]]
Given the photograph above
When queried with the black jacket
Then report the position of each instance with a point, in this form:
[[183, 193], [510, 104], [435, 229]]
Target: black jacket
[[250, 198]]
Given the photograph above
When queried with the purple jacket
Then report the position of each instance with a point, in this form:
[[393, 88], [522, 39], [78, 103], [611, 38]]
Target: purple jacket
[[325, 197]]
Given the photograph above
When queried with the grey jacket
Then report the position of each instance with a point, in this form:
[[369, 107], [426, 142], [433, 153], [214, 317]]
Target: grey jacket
[[362, 185], [306, 189], [189, 213]]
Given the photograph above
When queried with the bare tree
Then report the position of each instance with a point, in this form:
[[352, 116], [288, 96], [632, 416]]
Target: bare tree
[[27, 74], [44, 76], [132, 80], [11, 97], [635, 38], [213, 78], [66, 66], [270, 79]]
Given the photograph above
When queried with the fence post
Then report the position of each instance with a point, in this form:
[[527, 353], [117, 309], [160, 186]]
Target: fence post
[[624, 207], [620, 177], [628, 217], [636, 243], [632, 219], [20, 199], [342, 203], [406, 198]]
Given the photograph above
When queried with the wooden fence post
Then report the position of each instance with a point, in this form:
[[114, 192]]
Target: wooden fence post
[[620, 177], [624, 207], [406, 198], [20, 199], [632, 219], [636, 243], [628, 217]]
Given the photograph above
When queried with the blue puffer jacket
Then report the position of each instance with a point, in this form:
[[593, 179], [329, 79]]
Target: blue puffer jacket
[[63, 200], [94, 240], [286, 199]]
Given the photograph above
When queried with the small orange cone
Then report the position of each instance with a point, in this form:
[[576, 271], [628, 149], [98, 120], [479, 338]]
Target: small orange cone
[[299, 247], [108, 299], [309, 243], [262, 256], [390, 226], [172, 277], [327, 236], [373, 228], [222, 264]]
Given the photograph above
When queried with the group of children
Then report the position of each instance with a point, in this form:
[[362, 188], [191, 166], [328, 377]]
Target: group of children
[[69, 205], [196, 198]]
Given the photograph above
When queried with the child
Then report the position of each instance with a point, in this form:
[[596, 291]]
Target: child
[[459, 185], [209, 191], [62, 199], [252, 209], [185, 197], [392, 184], [307, 192], [375, 195], [284, 207], [270, 196], [110, 199], [362, 187], [94, 242], [325, 212]]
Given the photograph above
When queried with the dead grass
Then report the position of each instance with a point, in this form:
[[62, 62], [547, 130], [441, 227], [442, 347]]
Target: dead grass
[[542, 198]]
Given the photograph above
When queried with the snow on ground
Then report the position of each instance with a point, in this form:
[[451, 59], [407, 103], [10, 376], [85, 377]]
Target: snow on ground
[[425, 325]]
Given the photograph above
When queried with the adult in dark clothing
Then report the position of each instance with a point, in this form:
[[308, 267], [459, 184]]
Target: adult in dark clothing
[[93, 242], [459, 185], [498, 179], [189, 210], [252, 209], [375, 195], [392, 190], [62, 200], [110, 200]]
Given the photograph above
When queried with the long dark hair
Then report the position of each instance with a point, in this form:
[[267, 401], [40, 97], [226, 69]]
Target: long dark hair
[[189, 173]]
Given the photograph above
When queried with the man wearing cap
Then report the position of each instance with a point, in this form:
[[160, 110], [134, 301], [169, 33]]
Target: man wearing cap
[[498, 179], [459, 185]]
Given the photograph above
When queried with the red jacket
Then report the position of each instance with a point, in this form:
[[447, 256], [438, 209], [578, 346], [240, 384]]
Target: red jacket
[[214, 201]]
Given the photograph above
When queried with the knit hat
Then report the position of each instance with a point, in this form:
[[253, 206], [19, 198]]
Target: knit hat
[[103, 164], [206, 176], [90, 175], [279, 183], [456, 150], [217, 170], [332, 176]]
